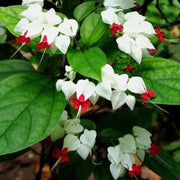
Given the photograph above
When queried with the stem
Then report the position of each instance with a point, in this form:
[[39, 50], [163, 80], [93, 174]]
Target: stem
[[136, 177], [17, 50], [78, 113], [55, 165], [42, 56]]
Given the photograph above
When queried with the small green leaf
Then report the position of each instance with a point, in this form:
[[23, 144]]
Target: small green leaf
[[88, 63], [82, 10], [88, 124], [164, 165], [92, 29], [30, 108], [9, 16], [162, 76], [172, 146]]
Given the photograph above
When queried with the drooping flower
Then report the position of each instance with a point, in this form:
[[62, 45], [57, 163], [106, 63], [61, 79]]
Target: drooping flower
[[147, 95], [80, 102], [23, 38], [152, 51], [160, 34], [115, 29], [43, 44], [30, 2], [119, 4], [136, 170], [154, 150], [62, 154], [128, 69]]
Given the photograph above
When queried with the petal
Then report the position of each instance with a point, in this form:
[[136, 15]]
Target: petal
[[104, 90], [124, 43], [83, 151], [57, 133], [51, 34], [22, 25], [128, 161], [136, 52], [72, 126], [88, 138], [29, 2], [59, 84], [119, 3], [141, 154], [107, 73], [94, 98], [147, 28], [130, 101], [85, 87], [62, 42], [68, 27], [127, 144], [114, 154], [33, 12], [117, 170], [134, 16], [68, 88], [118, 99], [120, 82], [109, 16], [71, 142], [136, 85], [143, 42]]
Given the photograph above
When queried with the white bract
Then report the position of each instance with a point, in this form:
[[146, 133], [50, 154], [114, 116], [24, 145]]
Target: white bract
[[122, 4], [30, 2]]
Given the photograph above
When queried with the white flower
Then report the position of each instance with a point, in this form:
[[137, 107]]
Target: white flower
[[117, 170], [124, 4], [128, 160], [30, 2], [130, 101], [136, 85], [68, 27], [70, 73], [142, 137], [62, 42], [85, 87], [119, 82]]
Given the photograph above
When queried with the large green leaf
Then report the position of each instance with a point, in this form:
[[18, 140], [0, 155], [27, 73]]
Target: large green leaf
[[87, 63], [83, 10], [162, 76], [30, 108], [164, 165], [10, 16], [92, 29]]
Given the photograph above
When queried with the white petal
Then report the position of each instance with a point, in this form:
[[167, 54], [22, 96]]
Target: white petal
[[109, 16], [117, 170], [68, 27], [64, 116], [104, 90], [51, 33], [134, 16], [33, 12], [143, 42], [72, 126], [62, 42], [118, 99], [131, 27], [22, 25], [120, 82], [114, 154], [88, 138], [29, 2], [107, 74], [68, 88], [128, 161], [59, 84], [136, 52], [119, 3], [124, 43], [57, 133], [136, 85], [141, 154], [85, 87], [71, 142], [130, 101], [127, 144], [83, 151], [147, 28], [94, 98]]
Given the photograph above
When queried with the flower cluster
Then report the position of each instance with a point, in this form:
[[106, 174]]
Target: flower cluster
[[122, 155], [55, 33], [132, 27]]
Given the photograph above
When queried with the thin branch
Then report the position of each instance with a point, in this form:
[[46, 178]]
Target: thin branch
[[144, 6]]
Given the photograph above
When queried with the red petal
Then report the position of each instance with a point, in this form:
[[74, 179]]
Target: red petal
[[64, 151], [65, 159], [81, 98], [57, 153], [131, 174]]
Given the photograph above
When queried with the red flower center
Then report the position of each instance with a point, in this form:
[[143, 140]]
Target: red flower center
[[129, 69], [160, 34], [115, 28], [43, 44], [61, 154], [152, 51], [136, 170], [23, 38], [147, 95], [136, 6], [154, 149], [80, 102]]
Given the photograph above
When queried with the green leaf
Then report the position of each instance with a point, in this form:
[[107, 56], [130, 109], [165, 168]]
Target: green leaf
[[9, 16], [162, 76], [82, 10], [176, 156], [88, 124], [172, 146], [30, 108], [92, 29], [88, 63], [164, 165], [11, 67]]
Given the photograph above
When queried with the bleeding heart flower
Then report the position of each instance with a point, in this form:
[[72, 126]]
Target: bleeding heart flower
[[160, 34], [129, 69], [115, 29], [136, 170], [154, 149], [43, 44], [147, 95], [61, 154], [23, 38]]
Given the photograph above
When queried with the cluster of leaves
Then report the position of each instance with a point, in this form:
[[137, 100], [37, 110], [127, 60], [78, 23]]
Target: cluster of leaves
[[30, 106]]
